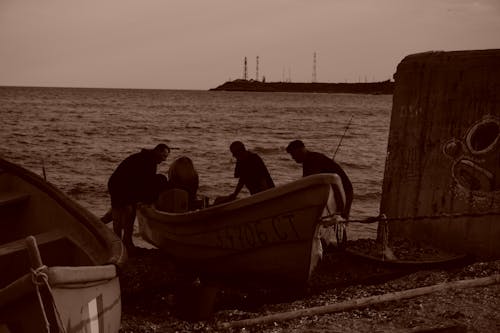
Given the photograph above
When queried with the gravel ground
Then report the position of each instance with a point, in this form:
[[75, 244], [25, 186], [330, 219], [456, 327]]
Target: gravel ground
[[152, 301]]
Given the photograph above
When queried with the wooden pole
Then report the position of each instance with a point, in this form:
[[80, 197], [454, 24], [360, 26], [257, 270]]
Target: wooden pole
[[364, 301], [34, 253]]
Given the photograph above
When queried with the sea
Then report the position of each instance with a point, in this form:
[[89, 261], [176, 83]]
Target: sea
[[77, 136]]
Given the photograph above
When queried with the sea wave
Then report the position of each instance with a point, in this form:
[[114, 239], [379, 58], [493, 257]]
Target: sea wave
[[81, 135], [369, 196]]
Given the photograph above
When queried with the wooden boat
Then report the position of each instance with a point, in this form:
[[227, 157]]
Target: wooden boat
[[58, 262], [271, 236], [418, 264]]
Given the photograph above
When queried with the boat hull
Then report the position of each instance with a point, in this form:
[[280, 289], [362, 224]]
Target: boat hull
[[270, 236], [84, 303]]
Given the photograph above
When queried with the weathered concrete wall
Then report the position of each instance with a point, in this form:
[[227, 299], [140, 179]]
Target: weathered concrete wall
[[444, 150]]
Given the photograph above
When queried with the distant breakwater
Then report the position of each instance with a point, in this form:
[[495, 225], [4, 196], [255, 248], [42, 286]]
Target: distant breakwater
[[383, 87]]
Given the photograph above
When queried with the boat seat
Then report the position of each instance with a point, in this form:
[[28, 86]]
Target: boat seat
[[20, 244], [8, 199]]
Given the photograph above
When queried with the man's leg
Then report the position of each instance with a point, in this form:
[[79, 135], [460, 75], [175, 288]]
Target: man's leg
[[128, 228], [123, 225], [117, 215]]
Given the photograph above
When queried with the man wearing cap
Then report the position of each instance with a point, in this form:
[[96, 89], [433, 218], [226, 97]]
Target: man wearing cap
[[134, 180], [314, 162]]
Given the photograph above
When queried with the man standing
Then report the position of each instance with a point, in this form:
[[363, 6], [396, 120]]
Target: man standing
[[250, 169], [313, 163], [134, 180]]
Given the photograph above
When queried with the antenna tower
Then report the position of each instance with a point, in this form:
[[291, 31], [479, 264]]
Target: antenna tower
[[257, 69], [245, 75], [314, 68]]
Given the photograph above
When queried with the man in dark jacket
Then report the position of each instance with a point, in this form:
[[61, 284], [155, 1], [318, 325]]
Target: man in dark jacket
[[250, 171], [313, 163], [134, 180]]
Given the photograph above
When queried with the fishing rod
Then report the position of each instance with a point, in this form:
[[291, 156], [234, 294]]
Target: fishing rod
[[43, 170], [343, 135]]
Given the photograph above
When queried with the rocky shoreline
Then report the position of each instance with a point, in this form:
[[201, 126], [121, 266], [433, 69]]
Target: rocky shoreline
[[152, 301], [382, 87]]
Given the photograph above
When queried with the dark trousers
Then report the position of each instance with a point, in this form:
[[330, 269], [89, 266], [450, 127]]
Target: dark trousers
[[123, 224]]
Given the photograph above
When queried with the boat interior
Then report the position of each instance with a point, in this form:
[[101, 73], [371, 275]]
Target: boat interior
[[25, 210]]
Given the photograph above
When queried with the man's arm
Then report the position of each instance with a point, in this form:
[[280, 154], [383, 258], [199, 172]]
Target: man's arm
[[237, 190]]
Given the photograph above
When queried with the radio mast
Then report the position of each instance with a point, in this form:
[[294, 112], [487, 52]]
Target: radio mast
[[314, 68], [245, 75], [257, 69]]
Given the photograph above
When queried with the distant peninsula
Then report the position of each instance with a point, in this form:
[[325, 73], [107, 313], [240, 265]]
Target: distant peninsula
[[383, 87]]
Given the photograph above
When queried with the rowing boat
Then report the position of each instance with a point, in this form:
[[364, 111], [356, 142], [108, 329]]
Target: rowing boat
[[58, 262], [272, 236]]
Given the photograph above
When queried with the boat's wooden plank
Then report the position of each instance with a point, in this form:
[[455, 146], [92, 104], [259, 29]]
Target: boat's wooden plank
[[12, 198], [20, 244]]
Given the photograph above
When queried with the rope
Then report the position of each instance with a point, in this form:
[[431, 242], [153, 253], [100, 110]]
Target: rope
[[341, 233], [374, 219], [339, 227], [40, 278]]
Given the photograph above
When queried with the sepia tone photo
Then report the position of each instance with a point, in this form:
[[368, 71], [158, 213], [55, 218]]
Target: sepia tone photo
[[249, 166]]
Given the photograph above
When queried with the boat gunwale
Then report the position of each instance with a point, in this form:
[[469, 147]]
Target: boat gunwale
[[200, 220], [150, 211]]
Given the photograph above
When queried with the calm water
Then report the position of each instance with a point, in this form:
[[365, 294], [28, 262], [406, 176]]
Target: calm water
[[81, 135]]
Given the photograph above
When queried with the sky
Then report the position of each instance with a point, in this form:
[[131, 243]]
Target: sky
[[200, 44]]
